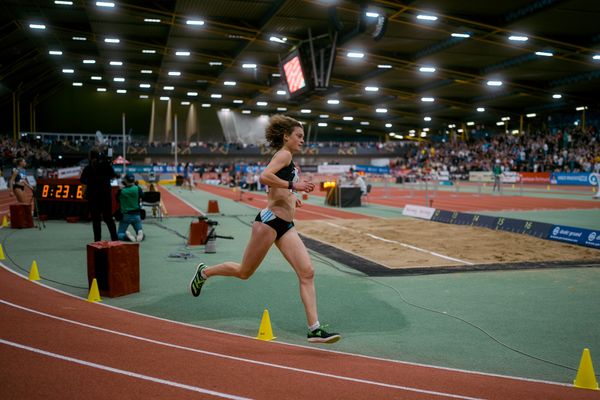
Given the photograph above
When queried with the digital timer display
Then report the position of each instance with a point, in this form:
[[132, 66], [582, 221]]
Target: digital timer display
[[62, 191]]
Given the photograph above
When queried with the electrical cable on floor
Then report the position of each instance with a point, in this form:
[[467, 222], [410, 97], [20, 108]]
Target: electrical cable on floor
[[473, 325], [27, 272]]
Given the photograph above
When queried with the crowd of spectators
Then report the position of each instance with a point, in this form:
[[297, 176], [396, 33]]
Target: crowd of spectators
[[570, 149], [562, 150]]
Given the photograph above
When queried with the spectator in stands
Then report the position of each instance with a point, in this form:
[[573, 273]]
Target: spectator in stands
[[97, 176], [18, 181], [130, 197], [274, 225]]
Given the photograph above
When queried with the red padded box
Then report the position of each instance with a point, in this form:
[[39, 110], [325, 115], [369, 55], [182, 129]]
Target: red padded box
[[198, 233], [20, 216], [116, 267]]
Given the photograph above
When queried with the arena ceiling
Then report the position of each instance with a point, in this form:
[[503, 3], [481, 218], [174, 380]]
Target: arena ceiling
[[466, 42]]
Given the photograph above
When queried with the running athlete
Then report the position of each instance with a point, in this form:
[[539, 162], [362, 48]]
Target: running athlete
[[274, 224]]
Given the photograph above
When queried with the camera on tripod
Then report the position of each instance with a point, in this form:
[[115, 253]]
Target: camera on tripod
[[209, 222]]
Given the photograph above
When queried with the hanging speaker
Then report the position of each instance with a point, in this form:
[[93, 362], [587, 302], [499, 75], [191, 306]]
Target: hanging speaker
[[380, 27]]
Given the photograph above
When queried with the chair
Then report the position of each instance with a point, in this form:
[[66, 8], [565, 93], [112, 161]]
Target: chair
[[366, 195], [152, 199]]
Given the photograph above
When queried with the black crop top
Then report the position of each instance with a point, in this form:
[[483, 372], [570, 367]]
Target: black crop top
[[288, 173]]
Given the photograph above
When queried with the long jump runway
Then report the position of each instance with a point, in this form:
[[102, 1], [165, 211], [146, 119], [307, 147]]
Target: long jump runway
[[56, 346]]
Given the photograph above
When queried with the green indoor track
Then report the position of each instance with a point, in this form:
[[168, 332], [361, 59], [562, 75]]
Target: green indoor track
[[529, 323]]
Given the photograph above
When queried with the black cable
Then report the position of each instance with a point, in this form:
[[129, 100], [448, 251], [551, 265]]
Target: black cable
[[26, 271], [473, 325]]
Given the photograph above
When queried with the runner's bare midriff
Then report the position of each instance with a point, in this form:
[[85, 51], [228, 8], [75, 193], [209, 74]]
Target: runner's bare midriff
[[282, 202]]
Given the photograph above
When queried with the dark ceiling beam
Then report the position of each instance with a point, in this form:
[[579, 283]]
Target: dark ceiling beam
[[437, 47], [529, 10], [509, 63], [573, 79]]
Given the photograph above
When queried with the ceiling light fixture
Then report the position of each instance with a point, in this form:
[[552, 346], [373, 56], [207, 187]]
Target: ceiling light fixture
[[278, 39], [371, 89], [107, 4], [152, 20], [544, 53], [249, 66], [427, 17], [55, 53], [384, 66], [460, 35], [494, 83], [37, 26], [195, 22], [427, 99], [355, 54], [427, 69], [112, 40], [518, 38], [183, 53], [174, 73], [229, 83]]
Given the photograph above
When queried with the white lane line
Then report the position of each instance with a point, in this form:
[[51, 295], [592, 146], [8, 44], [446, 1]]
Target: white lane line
[[123, 372], [246, 360], [297, 346], [433, 253], [182, 200]]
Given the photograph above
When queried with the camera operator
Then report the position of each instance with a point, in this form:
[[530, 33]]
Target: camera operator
[[97, 176]]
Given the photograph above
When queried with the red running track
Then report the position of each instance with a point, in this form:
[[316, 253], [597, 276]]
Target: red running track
[[56, 346], [453, 201], [259, 200]]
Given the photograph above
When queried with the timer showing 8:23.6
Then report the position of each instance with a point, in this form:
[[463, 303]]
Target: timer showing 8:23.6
[[62, 191]]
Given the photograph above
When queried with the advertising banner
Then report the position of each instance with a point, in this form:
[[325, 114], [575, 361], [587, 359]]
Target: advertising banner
[[535, 177], [418, 211], [373, 169], [573, 178], [481, 176], [580, 236]]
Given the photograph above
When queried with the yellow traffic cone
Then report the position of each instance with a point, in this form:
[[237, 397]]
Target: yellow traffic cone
[[586, 379], [265, 332], [2, 257], [34, 275], [94, 294], [5, 222]]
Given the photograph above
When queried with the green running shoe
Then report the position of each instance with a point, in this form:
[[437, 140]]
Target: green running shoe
[[197, 281], [319, 335]]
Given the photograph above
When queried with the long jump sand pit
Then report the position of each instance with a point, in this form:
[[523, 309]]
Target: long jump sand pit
[[405, 244]]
